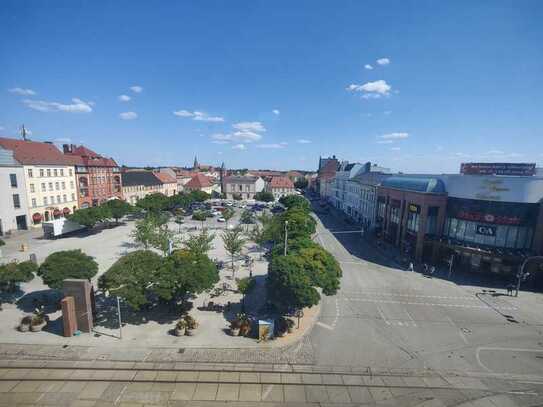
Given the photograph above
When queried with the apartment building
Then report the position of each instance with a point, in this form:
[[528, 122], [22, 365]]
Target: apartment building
[[13, 204], [98, 178], [169, 183], [244, 187], [280, 187], [201, 182], [49, 178], [138, 184]]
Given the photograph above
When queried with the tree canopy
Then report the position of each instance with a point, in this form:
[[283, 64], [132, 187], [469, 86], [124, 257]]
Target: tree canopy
[[13, 273], [65, 264], [233, 241], [88, 217], [264, 196], [201, 243], [154, 202], [301, 183], [116, 209], [183, 273], [131, 276], [295, 201]]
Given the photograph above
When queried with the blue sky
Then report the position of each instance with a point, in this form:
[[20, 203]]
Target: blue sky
[[264, 84]]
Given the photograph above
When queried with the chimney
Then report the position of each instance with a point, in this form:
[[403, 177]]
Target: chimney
[[67, 148]]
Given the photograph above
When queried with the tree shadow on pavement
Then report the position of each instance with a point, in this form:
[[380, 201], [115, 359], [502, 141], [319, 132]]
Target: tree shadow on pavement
[[47, 298]]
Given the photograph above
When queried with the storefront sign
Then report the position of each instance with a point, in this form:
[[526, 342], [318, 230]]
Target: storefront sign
[[486, 230], [489, 218], [414, 208], [519, 169]]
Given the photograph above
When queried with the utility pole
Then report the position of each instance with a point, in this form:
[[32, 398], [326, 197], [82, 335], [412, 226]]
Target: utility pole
[[120, 322], [286, 238], [521, 274], [451, 265]]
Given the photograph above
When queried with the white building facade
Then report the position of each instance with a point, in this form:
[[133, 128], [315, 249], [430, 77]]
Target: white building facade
[[13, 203]]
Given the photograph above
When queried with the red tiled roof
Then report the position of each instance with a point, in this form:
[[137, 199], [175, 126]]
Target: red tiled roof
[[34, 152], [165, 178], [329, 170], [84, 151], [199, 181], [281, 182], [85, 156]]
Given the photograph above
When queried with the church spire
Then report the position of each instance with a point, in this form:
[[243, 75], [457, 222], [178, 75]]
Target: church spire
[[196, 165]]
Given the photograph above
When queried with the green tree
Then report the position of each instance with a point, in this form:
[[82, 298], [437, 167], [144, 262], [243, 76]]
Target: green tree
[[65, 264], [296, 201], [237, 196], [301, 183], [144, 230], [131, 276], [233, 241], [322, 268], [117, 209], [184, 273], [14, 273], [264, 196], [288, 285], [228, 214], [300, 223], [161, 238], [247, 217], [201, 243], [199, 215], [88, 217], [245, 286], [199, 196], [156, 202], [256, 234]]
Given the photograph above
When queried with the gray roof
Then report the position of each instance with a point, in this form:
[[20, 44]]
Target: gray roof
[[7, 158], [136, 178], [417, 184], [369, 178], [235, 179]]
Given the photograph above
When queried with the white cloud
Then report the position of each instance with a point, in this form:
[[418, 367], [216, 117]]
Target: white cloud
[[273, 145], [395, 136], [246, 136], [22, 91], [371, 90], [383, 61], [128, 115], [220, 142], [198, 116], [385, 141], [395, 148], [304, 141], [368, 67], [239, 147], [276, 112], [77, 106], [249, 126], [136, 89], [124, 98]]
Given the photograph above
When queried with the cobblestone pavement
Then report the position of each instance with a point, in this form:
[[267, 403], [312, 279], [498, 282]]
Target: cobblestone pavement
[[298, 353], [62, 383]]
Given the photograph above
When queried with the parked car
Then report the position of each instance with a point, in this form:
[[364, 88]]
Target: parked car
[[221, 219]]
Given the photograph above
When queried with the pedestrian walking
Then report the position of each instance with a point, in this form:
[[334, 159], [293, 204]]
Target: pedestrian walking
[[425, 267], [432, 270], [510, 288], [411, 267]]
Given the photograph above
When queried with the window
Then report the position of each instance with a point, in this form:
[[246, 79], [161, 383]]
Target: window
[[48, 172], [64, 199], [16, 201], [71, 172], [71, 185], [55, 172], [41, 172], [73, 197], [58, 199], [61, 173], [63, 185], [52, 199], [50, 186], [13, 180], [44, 200], [30, 174], [57, 186], [33, 202], [43, 187], [32, 189]]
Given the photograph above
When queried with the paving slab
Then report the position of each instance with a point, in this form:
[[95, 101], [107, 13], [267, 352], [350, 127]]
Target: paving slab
[[113, 391], [228, 391], [273, 392], [205, 391], [331, 379], [291, 378], [57, 399], [294, 393], [93, 390], [311, 378], [380, 393], [183, 391], [270, 377], [146, 397], [352, 380], [208, 377], [187, 376], [249, 377], [232, 377], [316, 393], [250, 392], [360, 395], [338, 394]]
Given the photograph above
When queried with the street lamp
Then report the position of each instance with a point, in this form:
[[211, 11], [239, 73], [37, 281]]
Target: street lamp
[[521, 274], [286, 237], [108, 292]]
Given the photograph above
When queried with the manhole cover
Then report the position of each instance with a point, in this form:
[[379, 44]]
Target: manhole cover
[[181, 350]]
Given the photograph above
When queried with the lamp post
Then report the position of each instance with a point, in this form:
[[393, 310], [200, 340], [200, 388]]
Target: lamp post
[[521, 274], [286, 238]]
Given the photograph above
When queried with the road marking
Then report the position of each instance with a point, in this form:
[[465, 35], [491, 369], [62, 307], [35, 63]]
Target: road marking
[[331, 328], [411, 318], [382, 315], [428, 304], [480, 348], [459, 330], [445, 297], [267, 392]]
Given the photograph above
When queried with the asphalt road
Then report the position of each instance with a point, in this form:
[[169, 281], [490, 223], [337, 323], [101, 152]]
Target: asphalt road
[[386, 317]]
